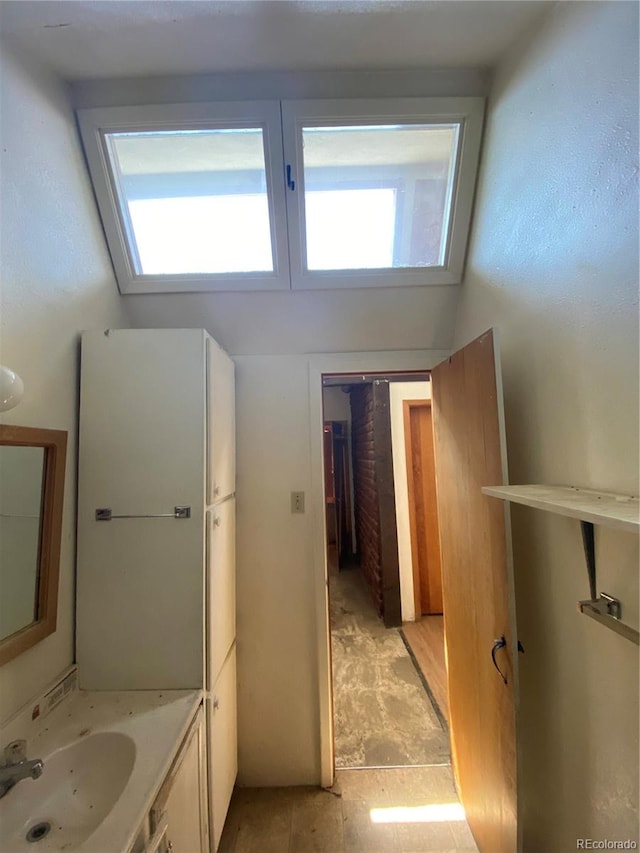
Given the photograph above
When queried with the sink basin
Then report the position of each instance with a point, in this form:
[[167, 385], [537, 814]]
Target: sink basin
[[79, 786]]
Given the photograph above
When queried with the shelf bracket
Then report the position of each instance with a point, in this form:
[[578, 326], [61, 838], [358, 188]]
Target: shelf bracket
[[603, 608], [589, 543]]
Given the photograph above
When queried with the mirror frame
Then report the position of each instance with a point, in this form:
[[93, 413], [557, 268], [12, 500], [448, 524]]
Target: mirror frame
[[54, 443]]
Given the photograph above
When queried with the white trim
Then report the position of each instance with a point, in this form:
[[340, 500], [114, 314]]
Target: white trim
[[398, 393], [377, 362]]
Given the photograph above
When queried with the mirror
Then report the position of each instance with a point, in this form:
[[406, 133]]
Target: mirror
[[32, 468]]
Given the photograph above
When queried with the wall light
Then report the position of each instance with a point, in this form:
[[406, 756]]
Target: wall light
[[11, 388]]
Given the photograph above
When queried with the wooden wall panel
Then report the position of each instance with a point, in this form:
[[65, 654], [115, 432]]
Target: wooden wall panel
[[367, 517], [389, 563]]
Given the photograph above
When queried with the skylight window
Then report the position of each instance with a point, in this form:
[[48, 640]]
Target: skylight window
[[413, 165], [292, 194], [190, 198]]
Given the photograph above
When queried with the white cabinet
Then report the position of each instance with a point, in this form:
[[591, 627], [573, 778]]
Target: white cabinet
[[156, 525], [221, 586], [221, 434], [179, 814], [223, 761]]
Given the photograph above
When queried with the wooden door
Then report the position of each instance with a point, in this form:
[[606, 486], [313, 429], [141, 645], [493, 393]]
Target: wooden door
[[330, 486], [423, 507], [477, 590]]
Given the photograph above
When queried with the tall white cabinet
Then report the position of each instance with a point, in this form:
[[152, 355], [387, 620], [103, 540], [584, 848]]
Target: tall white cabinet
[[156, 527]]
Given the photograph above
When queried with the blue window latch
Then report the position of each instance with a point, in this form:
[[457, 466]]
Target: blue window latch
[[290, 183]]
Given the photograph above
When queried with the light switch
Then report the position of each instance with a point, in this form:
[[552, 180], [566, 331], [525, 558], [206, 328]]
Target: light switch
[[297, 501]]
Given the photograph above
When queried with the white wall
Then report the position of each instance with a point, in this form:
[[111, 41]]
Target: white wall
[[283, 675], [277, 674], [56, 280], [554, 264], [398, 393]]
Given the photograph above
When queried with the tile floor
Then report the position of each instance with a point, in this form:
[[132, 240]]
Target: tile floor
[[313, 820]]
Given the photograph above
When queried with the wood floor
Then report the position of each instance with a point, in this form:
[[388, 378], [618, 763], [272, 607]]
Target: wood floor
[[426, 640]]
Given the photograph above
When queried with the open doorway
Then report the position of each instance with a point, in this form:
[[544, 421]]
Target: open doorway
[[385, 712], [424, 634], [477, 574]]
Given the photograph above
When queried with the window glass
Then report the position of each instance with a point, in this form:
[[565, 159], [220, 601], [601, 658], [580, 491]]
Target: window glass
[[194, 201], [378, 196]]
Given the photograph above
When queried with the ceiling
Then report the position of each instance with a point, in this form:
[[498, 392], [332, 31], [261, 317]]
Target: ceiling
[[127, 38]]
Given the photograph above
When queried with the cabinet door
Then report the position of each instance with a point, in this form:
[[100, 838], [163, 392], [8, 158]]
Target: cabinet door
[[223, 745], [221, 585], [140, 619], [221, 427], [142, 453], [142, 421], [181, 802]]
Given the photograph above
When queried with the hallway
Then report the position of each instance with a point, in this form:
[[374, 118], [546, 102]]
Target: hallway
[[383, 716]]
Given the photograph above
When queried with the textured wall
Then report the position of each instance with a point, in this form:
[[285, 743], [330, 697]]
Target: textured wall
[[554, 265], [56, 280]]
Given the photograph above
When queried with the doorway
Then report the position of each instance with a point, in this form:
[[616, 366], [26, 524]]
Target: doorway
[[477, 575], [385, 713], [425, 635]]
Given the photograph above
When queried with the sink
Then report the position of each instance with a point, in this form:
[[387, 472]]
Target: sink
[[79, 786]]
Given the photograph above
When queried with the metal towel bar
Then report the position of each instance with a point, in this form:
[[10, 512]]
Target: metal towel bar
[[105, 514]]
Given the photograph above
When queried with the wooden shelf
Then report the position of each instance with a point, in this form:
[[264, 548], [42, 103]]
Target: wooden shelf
[[611, 510]]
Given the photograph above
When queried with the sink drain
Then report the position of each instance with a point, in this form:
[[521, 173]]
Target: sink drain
[[39, 831]]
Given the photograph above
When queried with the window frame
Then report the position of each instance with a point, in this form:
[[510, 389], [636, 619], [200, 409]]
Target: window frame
[[469, 112], [282, 123], [98, 123]]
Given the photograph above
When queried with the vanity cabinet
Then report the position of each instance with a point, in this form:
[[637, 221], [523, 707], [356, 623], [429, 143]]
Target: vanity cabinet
[[179, 815], [156, 527]]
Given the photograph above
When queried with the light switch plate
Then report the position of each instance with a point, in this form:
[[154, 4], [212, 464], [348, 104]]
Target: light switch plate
[[297, 502]]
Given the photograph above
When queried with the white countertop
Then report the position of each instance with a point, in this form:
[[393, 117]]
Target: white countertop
[[156, 720]]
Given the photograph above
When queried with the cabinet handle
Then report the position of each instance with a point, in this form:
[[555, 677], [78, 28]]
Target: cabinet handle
[[216, 490], [216, 704], [153, 843], [217, 521]]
